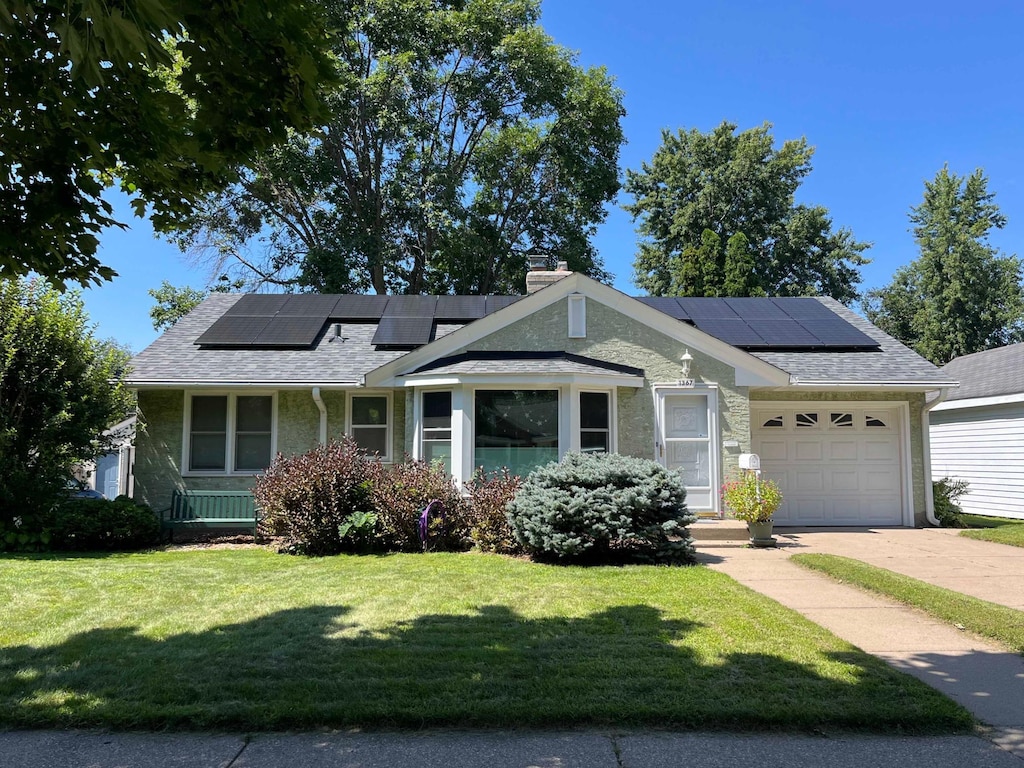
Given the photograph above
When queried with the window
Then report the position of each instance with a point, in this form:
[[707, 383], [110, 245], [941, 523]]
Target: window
[[517, 429], [774, 421], [595, 434], [230, 433], [807, 420], [369, 424], [874, 421], [840, 420], [437, 429], [577, 317]]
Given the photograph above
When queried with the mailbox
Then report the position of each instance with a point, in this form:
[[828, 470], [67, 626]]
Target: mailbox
[[750, 461]]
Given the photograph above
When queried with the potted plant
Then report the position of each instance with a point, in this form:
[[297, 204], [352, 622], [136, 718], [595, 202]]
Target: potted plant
[[753, 500]]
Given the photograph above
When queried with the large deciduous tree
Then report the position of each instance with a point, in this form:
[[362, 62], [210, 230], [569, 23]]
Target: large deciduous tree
[[462, 138], [717, 217], [960, 295], [173, 303], [60, 388], [166, 97]]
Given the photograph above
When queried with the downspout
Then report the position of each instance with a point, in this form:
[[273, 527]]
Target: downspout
[[929, 494], [323, 414]]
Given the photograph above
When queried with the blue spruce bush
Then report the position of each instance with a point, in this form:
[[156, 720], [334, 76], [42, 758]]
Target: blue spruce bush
[[603, 506]]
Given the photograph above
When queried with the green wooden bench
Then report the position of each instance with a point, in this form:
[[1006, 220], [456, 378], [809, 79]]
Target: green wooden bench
[[202, 510]]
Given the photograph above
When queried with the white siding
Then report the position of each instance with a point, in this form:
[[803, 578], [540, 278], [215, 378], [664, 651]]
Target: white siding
[[985, 447]]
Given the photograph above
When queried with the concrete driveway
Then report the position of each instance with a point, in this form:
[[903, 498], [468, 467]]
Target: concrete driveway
[[985, 678], [993, 572]]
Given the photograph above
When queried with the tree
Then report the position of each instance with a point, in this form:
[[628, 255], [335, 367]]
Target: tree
[[60, 387], [960, 295], [166, 97], [173, 303], [717, 217], [461, 139]]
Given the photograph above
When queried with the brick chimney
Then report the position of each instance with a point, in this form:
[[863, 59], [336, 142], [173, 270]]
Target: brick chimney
[[539, 276]]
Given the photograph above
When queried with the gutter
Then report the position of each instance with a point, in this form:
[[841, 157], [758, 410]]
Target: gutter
[[917, 386], [228, 384], [323, 414], [926, 443]]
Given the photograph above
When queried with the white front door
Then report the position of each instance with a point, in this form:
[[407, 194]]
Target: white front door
[[836, 463], [688, 443]]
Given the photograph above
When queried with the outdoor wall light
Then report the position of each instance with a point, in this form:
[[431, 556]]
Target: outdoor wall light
[[685, 361]]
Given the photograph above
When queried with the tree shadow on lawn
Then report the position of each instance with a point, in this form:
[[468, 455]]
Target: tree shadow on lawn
[[305, 668]]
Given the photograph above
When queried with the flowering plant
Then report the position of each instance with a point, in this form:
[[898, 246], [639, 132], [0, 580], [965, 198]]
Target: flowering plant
[[751, 499]]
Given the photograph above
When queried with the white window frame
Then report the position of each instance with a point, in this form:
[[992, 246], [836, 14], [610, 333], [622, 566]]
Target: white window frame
[[390, 413], [422, 430], [564, 444], [230, 433], [577, 444]]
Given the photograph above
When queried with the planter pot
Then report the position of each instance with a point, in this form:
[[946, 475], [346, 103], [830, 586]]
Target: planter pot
[[761, 534]]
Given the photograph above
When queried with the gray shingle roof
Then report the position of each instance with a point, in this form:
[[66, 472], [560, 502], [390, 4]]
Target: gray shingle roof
[[174, 359], [893, 362], [988, 374]]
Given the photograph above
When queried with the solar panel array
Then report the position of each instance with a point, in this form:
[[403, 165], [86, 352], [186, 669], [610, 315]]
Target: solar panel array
[[766, 324], [298, 320]]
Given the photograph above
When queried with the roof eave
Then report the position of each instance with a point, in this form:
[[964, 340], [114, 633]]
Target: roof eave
[[796, 382]]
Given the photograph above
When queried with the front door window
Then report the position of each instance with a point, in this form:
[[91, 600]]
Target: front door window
[[686, 444]]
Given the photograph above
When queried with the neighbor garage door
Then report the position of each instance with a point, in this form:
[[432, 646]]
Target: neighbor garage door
[[836, 465]]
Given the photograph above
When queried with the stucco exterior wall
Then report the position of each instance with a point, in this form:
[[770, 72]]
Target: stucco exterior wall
[[617, 338], [158, 453], [915, 400]]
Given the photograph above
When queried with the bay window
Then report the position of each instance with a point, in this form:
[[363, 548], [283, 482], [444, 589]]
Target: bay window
[[515, 428], [437, 429]]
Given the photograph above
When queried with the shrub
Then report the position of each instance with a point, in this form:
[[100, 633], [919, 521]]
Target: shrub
[[88, 525], [946, 492], [307, 498], [400, 494], [750, 498], [489, 497], [603, 504]]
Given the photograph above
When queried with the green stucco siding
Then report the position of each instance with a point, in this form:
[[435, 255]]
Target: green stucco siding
[[158, 454], [915, 400]]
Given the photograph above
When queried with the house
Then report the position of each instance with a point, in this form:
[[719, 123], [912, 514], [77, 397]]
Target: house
[[977, 433], [835, 408], [110, 474]]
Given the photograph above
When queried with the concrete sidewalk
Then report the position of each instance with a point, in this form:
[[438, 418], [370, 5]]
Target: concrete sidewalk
[[454, 749], [986, 679]]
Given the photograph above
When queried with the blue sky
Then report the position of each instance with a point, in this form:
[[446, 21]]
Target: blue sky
[[886, 92]]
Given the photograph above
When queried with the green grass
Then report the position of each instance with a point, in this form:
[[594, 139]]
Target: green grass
[[1002, 624], [246, 639], [998, 529]]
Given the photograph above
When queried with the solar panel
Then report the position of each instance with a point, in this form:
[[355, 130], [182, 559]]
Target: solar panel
[[733, 331], [697, 308], [494, 303], [233, 331], [787, 333], [411, 306], [826, 325], [750, 308], [403, 331], [284, 331], [257, 304], [310, 305], [460, 307], [360, 307], [667, 304]]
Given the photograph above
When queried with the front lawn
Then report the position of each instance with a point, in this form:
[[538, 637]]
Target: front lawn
[[998, 529], [246, 639], [998, 622]]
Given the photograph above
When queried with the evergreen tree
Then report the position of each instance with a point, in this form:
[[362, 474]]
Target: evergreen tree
[[961, 295], [717, 217]]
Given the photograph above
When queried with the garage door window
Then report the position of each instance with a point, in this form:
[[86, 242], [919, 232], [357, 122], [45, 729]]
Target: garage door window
[[774, 421], [841, 420], [874, 421], [807, 420]]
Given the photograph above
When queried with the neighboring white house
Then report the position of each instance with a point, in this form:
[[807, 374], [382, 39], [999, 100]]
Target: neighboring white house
[[977, 435], [111, 473]]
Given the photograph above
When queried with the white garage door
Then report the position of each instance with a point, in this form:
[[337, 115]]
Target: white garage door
[[836, 464]]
